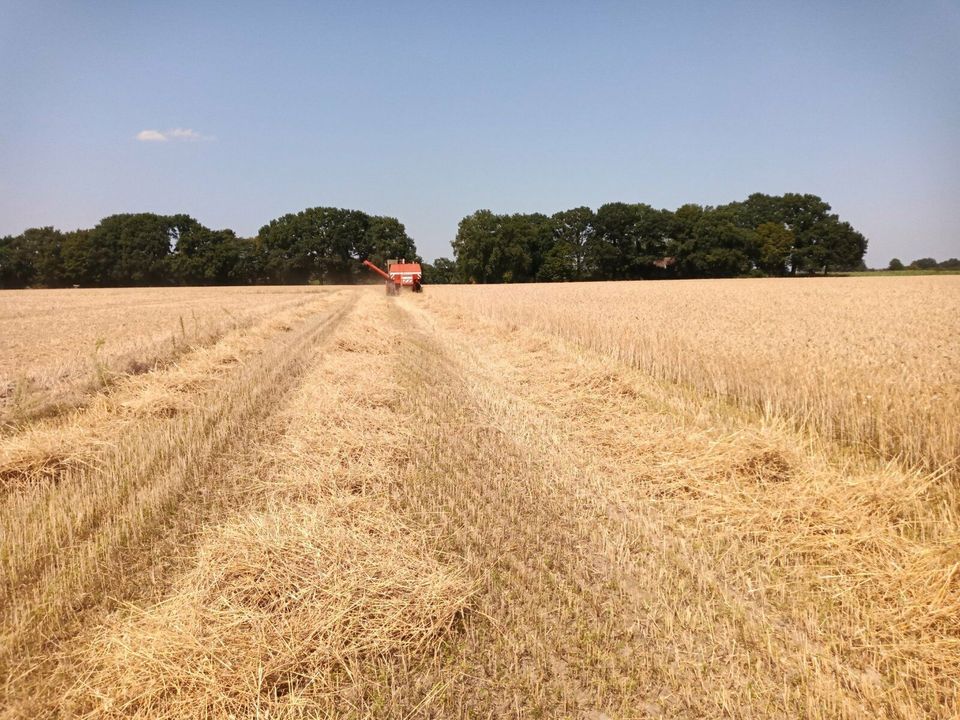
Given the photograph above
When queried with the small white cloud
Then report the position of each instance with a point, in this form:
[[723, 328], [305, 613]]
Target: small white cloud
[[151, 136], [182, 134]]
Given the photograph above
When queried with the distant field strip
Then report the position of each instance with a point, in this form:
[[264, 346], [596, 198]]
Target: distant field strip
[[872, 362], [59, 345]]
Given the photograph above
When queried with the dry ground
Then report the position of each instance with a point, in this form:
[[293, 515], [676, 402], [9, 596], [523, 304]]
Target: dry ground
[[417, 507]]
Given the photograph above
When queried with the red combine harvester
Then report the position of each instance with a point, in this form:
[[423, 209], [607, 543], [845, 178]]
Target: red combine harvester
[[399, 274]]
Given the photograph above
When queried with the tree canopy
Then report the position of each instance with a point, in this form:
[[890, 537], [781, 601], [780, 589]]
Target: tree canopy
[[764, 234], [772, 235], [315, 245]]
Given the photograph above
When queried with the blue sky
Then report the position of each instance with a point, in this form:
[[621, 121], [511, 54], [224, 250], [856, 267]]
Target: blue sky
[[429, 111]]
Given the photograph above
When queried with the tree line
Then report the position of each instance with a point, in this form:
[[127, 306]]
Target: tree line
[[927, 263], [762, 235], [321, 244]]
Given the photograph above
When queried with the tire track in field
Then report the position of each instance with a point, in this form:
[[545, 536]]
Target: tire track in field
[[599, 603], [124, 469], [153, 488], [553, 634], [787, 580], [310, 599]]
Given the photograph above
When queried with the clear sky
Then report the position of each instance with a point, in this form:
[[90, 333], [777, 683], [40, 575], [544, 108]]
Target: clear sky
[[239, 112]]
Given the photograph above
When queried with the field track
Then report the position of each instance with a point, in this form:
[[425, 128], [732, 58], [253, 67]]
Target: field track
[[366, 506]]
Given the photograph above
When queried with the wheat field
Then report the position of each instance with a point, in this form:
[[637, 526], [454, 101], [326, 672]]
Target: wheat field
[[869, 362], [613, 500]]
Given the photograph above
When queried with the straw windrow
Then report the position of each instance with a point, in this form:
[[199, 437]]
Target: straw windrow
[[290, 607]]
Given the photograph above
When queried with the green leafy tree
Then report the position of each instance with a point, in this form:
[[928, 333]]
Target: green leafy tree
[[386, 238], [611, 250], [683, 232], [6, 260], [895, 264], [197, 257], [320, 244], [129, 249], [79, 259], [927, 263], [473, 246], [16, 263], [758, 209], [635, 236], [32, 258], [528, 237], [501, 248], [214, 257], [830, 245], [803, 214], [573, 231], [774, 245], [711, 244], [560, 263], [249, 262], [45, 247], [441, 271], [820, 241], [511, 257]]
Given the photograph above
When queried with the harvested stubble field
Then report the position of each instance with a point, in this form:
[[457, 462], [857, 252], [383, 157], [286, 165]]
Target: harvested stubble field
[[60, 345], [642, 500]]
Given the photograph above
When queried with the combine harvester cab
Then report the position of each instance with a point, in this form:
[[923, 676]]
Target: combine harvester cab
[[400, 274]]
